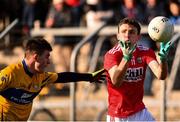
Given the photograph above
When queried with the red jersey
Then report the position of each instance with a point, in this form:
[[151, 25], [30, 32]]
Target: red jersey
[[128, 98]]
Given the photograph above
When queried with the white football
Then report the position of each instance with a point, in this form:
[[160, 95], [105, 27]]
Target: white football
[[160, 29]]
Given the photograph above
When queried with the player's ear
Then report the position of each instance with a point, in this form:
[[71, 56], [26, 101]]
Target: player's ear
[[117, 36], [35, 56]]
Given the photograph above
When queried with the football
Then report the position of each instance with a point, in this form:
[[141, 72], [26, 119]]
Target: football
[[160, 29]]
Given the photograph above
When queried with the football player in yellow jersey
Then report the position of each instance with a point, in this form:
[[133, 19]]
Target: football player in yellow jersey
[[20, 83]]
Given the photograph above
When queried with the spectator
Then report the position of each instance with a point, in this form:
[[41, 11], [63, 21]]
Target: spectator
[[28, 15], [174, 11], [114, 6], [34, 12], [77, 9], [153, 8], [132, 9], [60, 15]]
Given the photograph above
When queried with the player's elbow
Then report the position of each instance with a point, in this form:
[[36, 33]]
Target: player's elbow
[[162, 76], [117, 77], [116, 82]]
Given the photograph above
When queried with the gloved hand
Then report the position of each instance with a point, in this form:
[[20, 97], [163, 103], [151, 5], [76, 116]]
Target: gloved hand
[[127, 49], [164, 50], [98, 76]]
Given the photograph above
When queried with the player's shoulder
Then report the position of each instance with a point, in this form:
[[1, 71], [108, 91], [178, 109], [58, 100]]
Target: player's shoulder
[[47, 74], [114, 49], [12, 67]]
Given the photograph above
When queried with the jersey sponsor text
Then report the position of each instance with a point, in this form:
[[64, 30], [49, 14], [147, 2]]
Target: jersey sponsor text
[[134, 74]]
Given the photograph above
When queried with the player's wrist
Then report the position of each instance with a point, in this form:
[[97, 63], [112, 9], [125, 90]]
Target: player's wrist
[[127, 57], [97, 76], [162, 57]]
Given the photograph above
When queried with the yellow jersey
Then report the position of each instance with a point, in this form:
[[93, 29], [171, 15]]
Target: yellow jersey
[[18, 88]]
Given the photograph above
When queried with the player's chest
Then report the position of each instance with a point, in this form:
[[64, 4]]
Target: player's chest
[[32, 84], [136, 69], [137, 61]]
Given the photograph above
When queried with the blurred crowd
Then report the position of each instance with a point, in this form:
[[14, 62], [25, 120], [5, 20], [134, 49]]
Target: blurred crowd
[[87, 13], [60, 13]]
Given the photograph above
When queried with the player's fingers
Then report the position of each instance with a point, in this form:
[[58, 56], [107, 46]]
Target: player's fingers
[[121, 43], [100, 81], [133, 48], [167, 47], [103, 75], [102, 78]]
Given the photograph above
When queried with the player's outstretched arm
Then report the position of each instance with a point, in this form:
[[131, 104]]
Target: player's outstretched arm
[[66, 77]]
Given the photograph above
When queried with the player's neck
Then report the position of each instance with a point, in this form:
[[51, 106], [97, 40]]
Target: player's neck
[[30, 65]]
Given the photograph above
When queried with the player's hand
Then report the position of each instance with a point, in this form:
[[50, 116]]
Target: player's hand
[[127, 49], [164, 50], [98, 76]]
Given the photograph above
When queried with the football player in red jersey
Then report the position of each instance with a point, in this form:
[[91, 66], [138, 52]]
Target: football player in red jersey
[[126, 64]]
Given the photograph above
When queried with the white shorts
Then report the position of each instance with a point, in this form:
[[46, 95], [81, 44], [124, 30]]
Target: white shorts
[[143, 115]]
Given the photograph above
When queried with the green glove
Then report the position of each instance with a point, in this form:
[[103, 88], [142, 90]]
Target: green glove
[[164, 50], [127, 49], [98, 76]]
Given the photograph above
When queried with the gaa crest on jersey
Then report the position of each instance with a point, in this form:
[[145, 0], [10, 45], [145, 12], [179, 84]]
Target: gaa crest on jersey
[[139, 60]]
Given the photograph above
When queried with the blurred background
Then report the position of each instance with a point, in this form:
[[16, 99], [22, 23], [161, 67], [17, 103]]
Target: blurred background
[[81, 31]]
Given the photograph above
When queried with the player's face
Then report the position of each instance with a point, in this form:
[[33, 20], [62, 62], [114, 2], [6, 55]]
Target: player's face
[[128, 33], [42, 62]]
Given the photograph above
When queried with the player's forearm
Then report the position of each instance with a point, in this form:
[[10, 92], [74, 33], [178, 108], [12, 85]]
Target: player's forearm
[[119, 73], [163, 70], [66, 77]]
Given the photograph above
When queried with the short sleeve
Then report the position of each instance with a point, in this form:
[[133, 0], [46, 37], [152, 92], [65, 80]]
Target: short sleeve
[[112, 58], [150, 56], [50, 77]]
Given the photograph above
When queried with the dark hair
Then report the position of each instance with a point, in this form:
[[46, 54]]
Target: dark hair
[[131, 22], [174, 1], [37, 45]]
